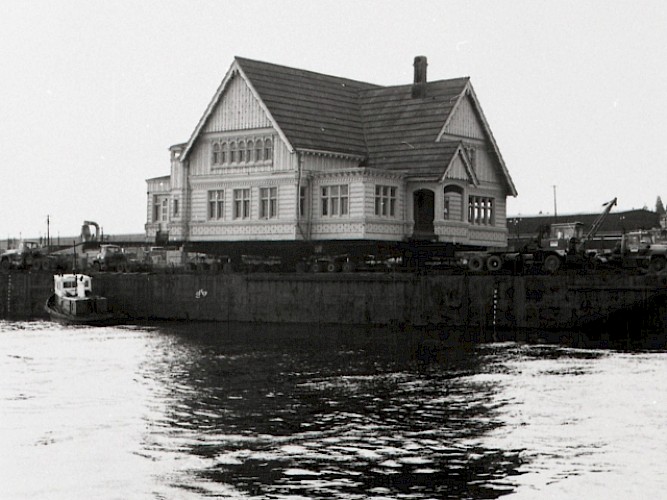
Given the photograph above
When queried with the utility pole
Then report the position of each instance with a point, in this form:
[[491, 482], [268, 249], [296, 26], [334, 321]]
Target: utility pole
[[48, 236]]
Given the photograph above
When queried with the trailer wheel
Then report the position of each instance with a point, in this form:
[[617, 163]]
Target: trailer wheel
[[494, 263], [316, 267], [332, 267], [657, 264], [348, 266], [476, 263], [551, 264]]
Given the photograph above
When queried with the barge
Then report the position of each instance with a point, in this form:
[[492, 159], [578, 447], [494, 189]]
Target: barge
[[621, 303]]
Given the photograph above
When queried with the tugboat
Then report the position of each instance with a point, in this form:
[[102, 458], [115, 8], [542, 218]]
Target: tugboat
[[73, 302]]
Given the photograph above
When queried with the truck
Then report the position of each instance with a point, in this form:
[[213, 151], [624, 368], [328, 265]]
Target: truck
[[556, 246], [26, 255], [110, 258], [642, 249], [31, 256]]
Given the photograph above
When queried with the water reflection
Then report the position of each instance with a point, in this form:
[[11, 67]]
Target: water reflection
[[281, 411], [208, 410]]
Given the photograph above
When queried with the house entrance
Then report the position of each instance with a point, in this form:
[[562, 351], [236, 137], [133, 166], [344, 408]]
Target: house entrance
[[424, 202]]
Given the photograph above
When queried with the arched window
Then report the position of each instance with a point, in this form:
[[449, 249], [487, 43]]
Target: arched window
[[224, 153], [268, 149], [258, 150], [241, 151], [216, 154], [249, 151], [453, 203], [232, 153]]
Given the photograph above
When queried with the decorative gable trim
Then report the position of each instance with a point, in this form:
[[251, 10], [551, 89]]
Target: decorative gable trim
[[461, 154], [468, 91], [331, 154], [234, 70]]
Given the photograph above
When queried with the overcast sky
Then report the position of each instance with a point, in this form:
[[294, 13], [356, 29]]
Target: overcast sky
[[92, 93]]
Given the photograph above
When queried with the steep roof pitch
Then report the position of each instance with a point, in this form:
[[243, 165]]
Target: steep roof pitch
[[315, 111], [401, 131], [386, 126]]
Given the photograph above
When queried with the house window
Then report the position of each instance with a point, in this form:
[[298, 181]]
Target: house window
[[232, 153], [268, 205], [164, 216], [268, 149], [216, 205], [481, 211], [157, 206], [216, 154], [242, 203], [385, 201], [176, 207], [334, 200], [224, 153], [258, 150], [249, 151], [241, 152], [303, 193]]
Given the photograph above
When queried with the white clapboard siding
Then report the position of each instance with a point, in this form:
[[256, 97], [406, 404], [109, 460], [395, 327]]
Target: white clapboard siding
[[486, 166], [465, 122], [237, 110]]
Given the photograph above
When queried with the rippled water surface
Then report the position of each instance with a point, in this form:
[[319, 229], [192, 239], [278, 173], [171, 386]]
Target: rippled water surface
[[216, 411]]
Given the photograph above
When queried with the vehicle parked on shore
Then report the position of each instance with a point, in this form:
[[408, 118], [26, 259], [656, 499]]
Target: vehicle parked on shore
[[639, 250], [110, 258], [32, 256]]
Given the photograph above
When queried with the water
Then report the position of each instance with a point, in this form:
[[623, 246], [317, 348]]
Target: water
[[214, 411]]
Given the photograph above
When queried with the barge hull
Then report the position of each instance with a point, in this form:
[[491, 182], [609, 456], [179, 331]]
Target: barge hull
[[480, 302]]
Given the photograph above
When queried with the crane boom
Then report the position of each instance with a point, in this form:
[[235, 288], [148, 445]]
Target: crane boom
[[599, 220]]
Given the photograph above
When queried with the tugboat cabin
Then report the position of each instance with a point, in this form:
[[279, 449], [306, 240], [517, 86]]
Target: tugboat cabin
[[74, 295]]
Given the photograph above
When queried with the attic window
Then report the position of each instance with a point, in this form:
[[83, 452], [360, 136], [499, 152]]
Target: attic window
[[223, 153], [241, 152], [268, 149], [258, 150], [232, 153]]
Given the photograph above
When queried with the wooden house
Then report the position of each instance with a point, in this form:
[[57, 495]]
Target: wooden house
[[284, 154]]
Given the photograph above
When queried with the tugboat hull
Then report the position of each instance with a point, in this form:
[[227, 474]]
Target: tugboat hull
[[59, 315]]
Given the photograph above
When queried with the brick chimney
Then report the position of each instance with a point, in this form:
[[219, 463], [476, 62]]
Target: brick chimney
[[419, 85]]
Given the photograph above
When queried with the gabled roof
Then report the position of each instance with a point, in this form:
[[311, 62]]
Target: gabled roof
[[385, 126], [315, 111], [401, 132]]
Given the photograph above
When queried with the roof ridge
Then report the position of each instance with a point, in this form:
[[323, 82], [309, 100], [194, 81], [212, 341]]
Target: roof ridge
[[241, 59]]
